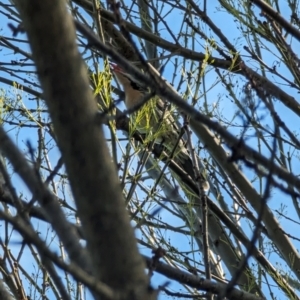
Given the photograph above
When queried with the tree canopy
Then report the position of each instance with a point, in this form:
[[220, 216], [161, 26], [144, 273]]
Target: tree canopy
[[93, 209]]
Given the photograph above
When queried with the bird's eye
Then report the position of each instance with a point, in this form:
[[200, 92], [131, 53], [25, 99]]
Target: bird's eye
[[136, 86]]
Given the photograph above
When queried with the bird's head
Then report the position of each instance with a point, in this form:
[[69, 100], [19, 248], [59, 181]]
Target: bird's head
[[125, 79], [133, 91]]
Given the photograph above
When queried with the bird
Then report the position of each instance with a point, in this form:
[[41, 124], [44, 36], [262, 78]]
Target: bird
[[155, 120]]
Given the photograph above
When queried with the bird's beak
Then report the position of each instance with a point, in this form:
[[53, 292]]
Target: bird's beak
[[114, 67]]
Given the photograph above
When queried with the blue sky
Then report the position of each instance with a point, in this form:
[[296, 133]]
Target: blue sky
[[216, 95]]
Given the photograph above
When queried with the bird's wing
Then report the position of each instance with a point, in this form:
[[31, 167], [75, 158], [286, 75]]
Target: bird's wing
[[155, 119]]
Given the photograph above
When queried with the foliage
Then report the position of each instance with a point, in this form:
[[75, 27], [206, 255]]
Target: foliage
[[230, 72]]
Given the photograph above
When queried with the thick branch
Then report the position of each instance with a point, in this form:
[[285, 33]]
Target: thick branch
[[62, 73]]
